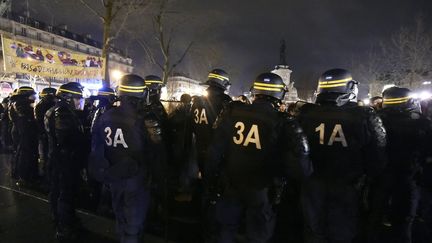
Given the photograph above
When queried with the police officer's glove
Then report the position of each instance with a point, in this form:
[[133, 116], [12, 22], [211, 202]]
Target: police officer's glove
[[97, 167], [84, 175], [276, 190]]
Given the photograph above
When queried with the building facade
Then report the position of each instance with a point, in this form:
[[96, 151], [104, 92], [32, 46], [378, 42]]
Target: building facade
[[59, 38], [285, 72], [178, 85]]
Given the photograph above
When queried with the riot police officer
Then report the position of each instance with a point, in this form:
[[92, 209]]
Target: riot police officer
[[409, 136], [253, 144], [206, 109], [127, 151], [154, 85], [26, 134], [106, 98], [66, 146], [347, 143], [5, 125], [47, 100]]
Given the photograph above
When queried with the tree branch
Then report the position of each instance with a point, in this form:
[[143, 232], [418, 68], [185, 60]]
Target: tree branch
[[93, 10], [182, 56]]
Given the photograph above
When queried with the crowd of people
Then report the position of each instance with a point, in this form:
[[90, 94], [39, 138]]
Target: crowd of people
[[258, 171]]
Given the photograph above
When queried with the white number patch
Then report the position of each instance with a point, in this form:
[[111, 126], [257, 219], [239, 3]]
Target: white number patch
[[200, 117], [336, 136], [252, 136], [118, 138]]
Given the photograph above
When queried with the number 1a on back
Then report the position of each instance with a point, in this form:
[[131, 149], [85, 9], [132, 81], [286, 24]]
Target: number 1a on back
[[337, 135]]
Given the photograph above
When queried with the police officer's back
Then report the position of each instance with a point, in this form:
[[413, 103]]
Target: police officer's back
[[47, 100], [154, 85], [5, 125], [347, 142], [106, 98], [206, 109], [66, 146], [252, 145], [126, 153], [409, 135], [26, 133]]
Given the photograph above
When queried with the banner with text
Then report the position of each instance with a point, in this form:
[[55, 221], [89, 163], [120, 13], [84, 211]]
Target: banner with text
[[20, 57]]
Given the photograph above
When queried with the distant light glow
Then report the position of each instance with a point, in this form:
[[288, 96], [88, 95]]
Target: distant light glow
[[117, 74], [164, 93], [425, 95], [388, 86], [366, 101], [427, 82], [96, 86]]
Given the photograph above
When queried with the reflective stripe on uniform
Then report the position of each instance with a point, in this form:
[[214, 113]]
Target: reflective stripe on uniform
[[324, 86], [267, 89], [105, 93], [336, 81], [70, 91], [217, 76], [132, 90], [153, 82], [269, 85], [131, 87], [393, 101]]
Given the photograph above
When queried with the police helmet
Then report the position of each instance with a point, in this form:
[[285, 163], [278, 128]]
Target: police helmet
[[399, 98], [269, 84], [218, 78], [25, 91], [47, 91], [106, 92], [337, 85], [70, 90], [153, 82], [132, 85]]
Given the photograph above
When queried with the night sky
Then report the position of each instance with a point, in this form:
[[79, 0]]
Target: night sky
[[243, 36]]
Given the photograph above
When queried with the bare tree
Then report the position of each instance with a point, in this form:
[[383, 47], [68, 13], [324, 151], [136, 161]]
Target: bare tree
[[112, 12], [164, 35], [403, 60], [370, 70], [407, 57]]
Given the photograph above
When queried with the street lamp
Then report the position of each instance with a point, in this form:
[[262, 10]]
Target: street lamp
[[116, 74]]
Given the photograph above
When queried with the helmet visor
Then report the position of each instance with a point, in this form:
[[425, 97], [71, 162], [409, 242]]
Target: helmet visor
[[79, 103]]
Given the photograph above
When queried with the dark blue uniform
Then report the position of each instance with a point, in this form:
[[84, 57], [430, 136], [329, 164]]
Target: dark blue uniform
[[40, 109], [5, 125], [347, 142], [204, 113], [253, 144], [66, 146], [26, 138], [409, 136], [127, 152]]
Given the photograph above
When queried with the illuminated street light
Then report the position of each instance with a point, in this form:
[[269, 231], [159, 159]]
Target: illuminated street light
[[116, 74], [366, 101], [387, 86]]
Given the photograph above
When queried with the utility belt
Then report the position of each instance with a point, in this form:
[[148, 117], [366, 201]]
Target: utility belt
[[220, 187]]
